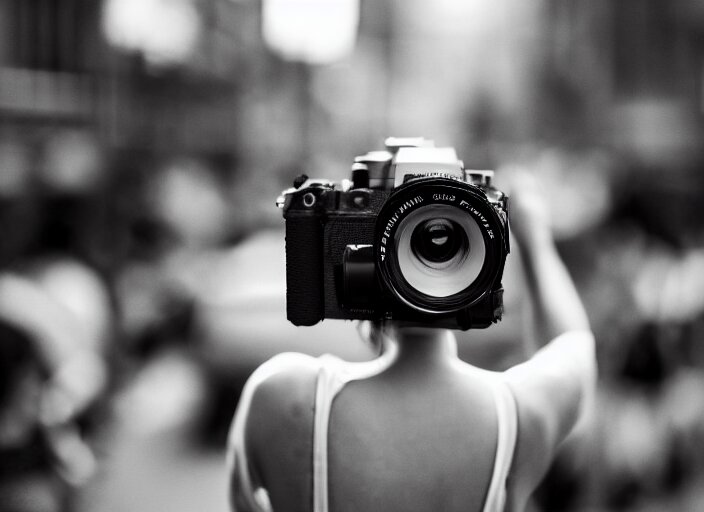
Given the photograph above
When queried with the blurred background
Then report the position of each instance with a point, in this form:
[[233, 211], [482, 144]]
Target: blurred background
[[142, 145]]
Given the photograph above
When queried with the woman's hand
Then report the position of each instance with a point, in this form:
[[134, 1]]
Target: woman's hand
[[529, 213]]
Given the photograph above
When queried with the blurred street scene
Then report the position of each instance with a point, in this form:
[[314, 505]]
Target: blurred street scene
[[143, 144]]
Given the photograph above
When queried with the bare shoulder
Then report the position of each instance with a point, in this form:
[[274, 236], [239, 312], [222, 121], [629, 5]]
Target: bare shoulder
[[279, 397], [552, 387], [271, 436], [551, 391], [284, 381]]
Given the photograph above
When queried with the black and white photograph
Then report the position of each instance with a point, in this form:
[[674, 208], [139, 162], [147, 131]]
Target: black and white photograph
[[351, 256]]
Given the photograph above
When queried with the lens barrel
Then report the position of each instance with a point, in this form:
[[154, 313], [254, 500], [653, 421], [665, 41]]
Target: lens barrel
[[440, 245]]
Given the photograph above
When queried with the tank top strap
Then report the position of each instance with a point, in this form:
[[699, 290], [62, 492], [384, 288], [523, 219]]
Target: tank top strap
[[333, 374], [507, 420], [328, 385]]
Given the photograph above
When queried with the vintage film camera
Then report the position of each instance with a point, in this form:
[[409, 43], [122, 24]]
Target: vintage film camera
[[412, 237]]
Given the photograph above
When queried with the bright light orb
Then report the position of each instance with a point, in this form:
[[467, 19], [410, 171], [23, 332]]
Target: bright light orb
[[310, 31], [164, 31]]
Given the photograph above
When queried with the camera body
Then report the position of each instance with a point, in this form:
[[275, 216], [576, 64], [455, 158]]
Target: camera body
[[412, 237]]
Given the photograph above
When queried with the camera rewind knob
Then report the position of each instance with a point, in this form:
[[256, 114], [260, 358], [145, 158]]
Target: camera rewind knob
[[299, 180], [360, 175]]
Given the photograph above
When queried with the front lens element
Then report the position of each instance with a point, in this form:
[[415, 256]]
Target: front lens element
[[437, 241]]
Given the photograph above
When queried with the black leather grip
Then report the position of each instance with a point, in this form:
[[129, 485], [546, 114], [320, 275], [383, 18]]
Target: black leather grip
[[304, 269]]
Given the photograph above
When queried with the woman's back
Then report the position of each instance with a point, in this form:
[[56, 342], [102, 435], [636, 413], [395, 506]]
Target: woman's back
[[386, 435], [412, 442]]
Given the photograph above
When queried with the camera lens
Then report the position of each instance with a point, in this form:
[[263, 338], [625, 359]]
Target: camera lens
[[439, 245], [436, 241]]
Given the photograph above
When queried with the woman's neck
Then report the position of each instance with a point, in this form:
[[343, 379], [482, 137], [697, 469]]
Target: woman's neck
[[421, 346]]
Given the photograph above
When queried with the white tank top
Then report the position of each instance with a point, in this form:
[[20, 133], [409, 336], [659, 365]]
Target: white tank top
[[333, 374]]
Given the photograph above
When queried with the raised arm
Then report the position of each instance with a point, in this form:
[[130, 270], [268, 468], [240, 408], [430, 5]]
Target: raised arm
[[551, 388], [555, 305]]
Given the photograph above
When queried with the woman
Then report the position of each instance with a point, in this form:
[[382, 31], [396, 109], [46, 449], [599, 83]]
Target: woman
[[417, 429]]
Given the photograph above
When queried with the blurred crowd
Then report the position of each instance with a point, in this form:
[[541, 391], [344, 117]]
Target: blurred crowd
[[141, 263]]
